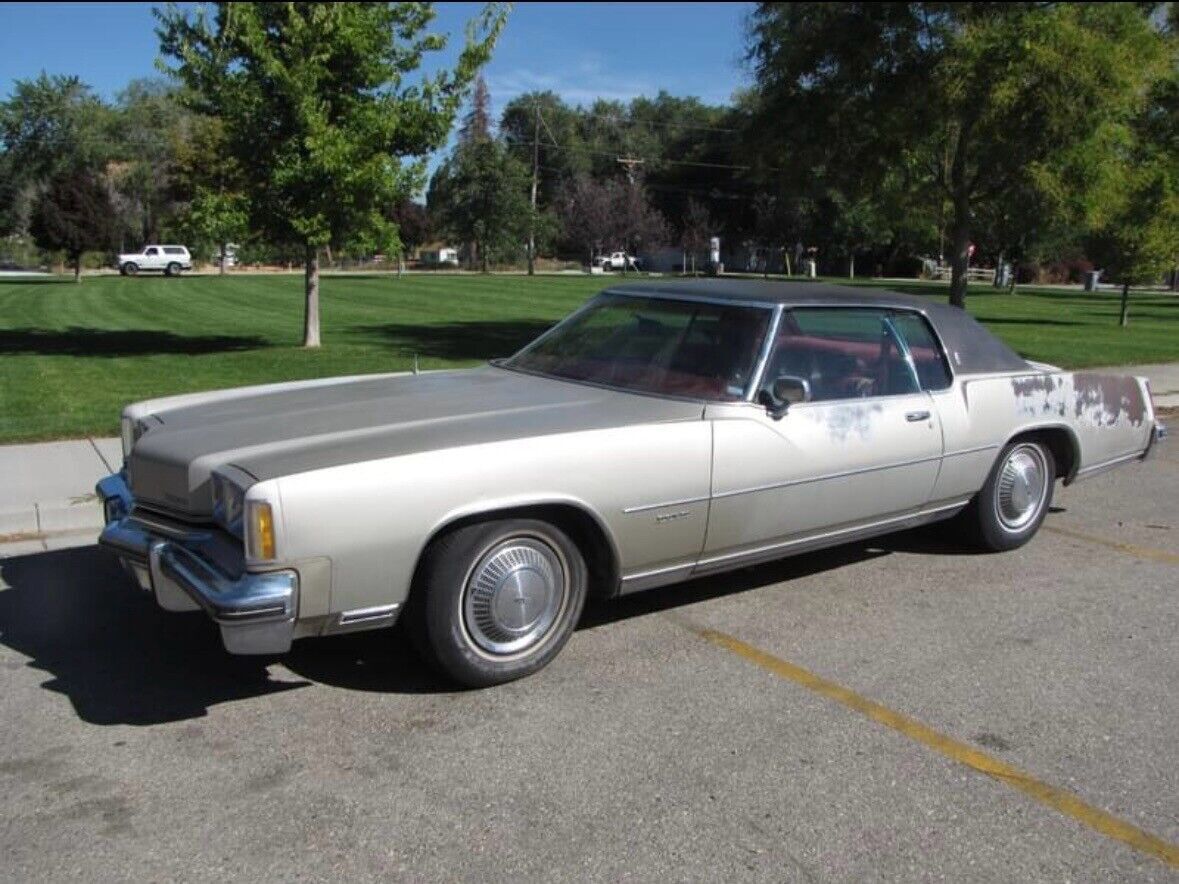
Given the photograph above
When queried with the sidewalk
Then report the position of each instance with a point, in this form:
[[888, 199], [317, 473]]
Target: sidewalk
[[49, 500]]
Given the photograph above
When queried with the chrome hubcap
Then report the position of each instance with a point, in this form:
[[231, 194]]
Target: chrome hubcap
[[514, 595], [1022, 486]]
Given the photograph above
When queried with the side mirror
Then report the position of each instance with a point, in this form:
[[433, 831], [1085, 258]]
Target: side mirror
[[785, 391]]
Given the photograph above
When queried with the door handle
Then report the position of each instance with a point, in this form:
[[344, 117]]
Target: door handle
[[914, 416]]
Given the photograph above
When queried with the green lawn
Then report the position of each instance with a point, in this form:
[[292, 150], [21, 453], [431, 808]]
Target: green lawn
[[72, 355]]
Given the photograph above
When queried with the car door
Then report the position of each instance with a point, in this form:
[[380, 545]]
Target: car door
[[864, 450], [152, 260]]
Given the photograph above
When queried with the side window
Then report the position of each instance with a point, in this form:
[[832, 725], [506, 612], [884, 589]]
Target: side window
[[842, 353], [173, 250], [151, 251], [928, 359]]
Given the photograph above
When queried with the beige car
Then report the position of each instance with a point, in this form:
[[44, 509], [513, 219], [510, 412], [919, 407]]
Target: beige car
[[663, 431]]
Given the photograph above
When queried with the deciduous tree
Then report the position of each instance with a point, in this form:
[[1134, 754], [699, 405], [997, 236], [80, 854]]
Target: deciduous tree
[[73, 215], [321, 102], [987, 97]]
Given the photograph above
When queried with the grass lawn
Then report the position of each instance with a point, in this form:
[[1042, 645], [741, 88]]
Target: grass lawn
[[72, 355]]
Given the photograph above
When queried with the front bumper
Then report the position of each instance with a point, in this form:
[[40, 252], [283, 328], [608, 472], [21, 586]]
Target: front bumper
[[187, 569]]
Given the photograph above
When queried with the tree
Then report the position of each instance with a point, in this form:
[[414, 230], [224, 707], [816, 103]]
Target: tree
[[74, 214], [49, 124], [218, 218], [319, 109], [1138, 240], [637, 223], [985, 97], [148, 125], [585, 209], [414, 225], [477, 123], [480, 196]]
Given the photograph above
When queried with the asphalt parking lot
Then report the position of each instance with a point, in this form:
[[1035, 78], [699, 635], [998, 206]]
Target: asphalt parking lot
[[823, 718]]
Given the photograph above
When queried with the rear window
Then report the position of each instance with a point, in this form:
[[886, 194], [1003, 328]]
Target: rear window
[[174, 250]]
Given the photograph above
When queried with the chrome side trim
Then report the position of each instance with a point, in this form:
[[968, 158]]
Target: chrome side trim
[[841, 475], [1106, 465], [642, 508], [368, 615], [655, 577], [827, 538], [974, 450]]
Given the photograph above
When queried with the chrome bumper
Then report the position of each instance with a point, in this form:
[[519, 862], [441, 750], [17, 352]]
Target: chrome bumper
[[1157, 434], [256, 611]]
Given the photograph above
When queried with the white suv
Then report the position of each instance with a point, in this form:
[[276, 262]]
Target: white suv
[[170, 259]]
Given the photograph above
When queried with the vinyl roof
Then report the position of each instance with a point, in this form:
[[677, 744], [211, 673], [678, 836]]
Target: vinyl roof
[[971, 348]]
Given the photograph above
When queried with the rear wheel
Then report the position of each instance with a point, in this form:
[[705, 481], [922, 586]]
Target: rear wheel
[[496, 601], [1014, 501], [130, 268], [172, 269]]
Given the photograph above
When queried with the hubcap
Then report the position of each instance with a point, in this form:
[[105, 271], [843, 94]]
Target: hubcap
[[1021, 489], [514, 595]]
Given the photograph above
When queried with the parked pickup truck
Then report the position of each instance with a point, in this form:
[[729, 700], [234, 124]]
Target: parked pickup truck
[[170, 259], [618, 261]]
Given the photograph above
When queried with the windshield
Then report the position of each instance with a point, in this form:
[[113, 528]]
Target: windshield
[[654, 345]]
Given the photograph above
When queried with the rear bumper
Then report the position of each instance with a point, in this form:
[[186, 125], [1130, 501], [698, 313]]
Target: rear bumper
[[1158, 433], [255, 611]]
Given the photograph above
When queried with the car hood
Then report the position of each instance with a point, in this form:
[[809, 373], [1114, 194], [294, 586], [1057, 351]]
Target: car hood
[[302, 427]]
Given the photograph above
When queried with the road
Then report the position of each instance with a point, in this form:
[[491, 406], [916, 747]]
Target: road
[[820, 719]]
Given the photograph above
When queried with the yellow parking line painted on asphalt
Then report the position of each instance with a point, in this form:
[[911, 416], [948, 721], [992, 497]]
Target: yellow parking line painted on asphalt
[[1130, 549], [1058, 799]]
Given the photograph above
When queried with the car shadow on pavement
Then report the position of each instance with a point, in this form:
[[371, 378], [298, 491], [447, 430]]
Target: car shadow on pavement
[[120, 659]]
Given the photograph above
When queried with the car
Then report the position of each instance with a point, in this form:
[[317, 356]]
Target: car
[[661, 432], [618, 261], [169, 259]]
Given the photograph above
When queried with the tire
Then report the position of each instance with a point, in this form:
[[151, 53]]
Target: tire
[[172, 269], [129, 269], [495, 601], [1011, 506]]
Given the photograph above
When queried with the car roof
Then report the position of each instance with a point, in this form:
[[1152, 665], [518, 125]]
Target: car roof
[[971, 348]]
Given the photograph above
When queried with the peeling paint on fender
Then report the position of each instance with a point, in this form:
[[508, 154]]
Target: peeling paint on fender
[[1103, 399]]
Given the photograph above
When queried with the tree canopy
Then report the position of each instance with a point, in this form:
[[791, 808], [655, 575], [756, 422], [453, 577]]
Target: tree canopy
[[319, 107]]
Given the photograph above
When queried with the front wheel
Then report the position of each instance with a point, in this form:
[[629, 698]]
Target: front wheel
[[1011, 506], [496, 601], [130, 268]]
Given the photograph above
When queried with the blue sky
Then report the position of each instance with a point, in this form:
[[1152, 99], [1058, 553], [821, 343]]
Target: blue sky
[[580, 50]]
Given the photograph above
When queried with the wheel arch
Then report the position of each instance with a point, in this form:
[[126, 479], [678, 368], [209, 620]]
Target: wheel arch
[[584, 527], [1062, 443]]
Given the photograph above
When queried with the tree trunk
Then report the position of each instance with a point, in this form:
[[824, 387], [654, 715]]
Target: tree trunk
[[78, 269], [786, 260], [1124, 319], [960, 259], [851, 265], [1175, 280], [222, 268], [483, 260], [311, 305]]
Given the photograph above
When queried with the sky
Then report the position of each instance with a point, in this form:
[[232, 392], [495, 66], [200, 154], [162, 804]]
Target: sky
[[580, 50]]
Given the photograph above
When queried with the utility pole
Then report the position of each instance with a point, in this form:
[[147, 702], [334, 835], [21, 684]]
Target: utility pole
[[628, 163], [535, 180]]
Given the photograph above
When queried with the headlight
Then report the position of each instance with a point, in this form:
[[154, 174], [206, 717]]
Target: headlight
[[259, 530], [228, 501]]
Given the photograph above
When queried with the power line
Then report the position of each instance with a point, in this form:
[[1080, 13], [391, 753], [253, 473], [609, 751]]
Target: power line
[[617, 119]]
